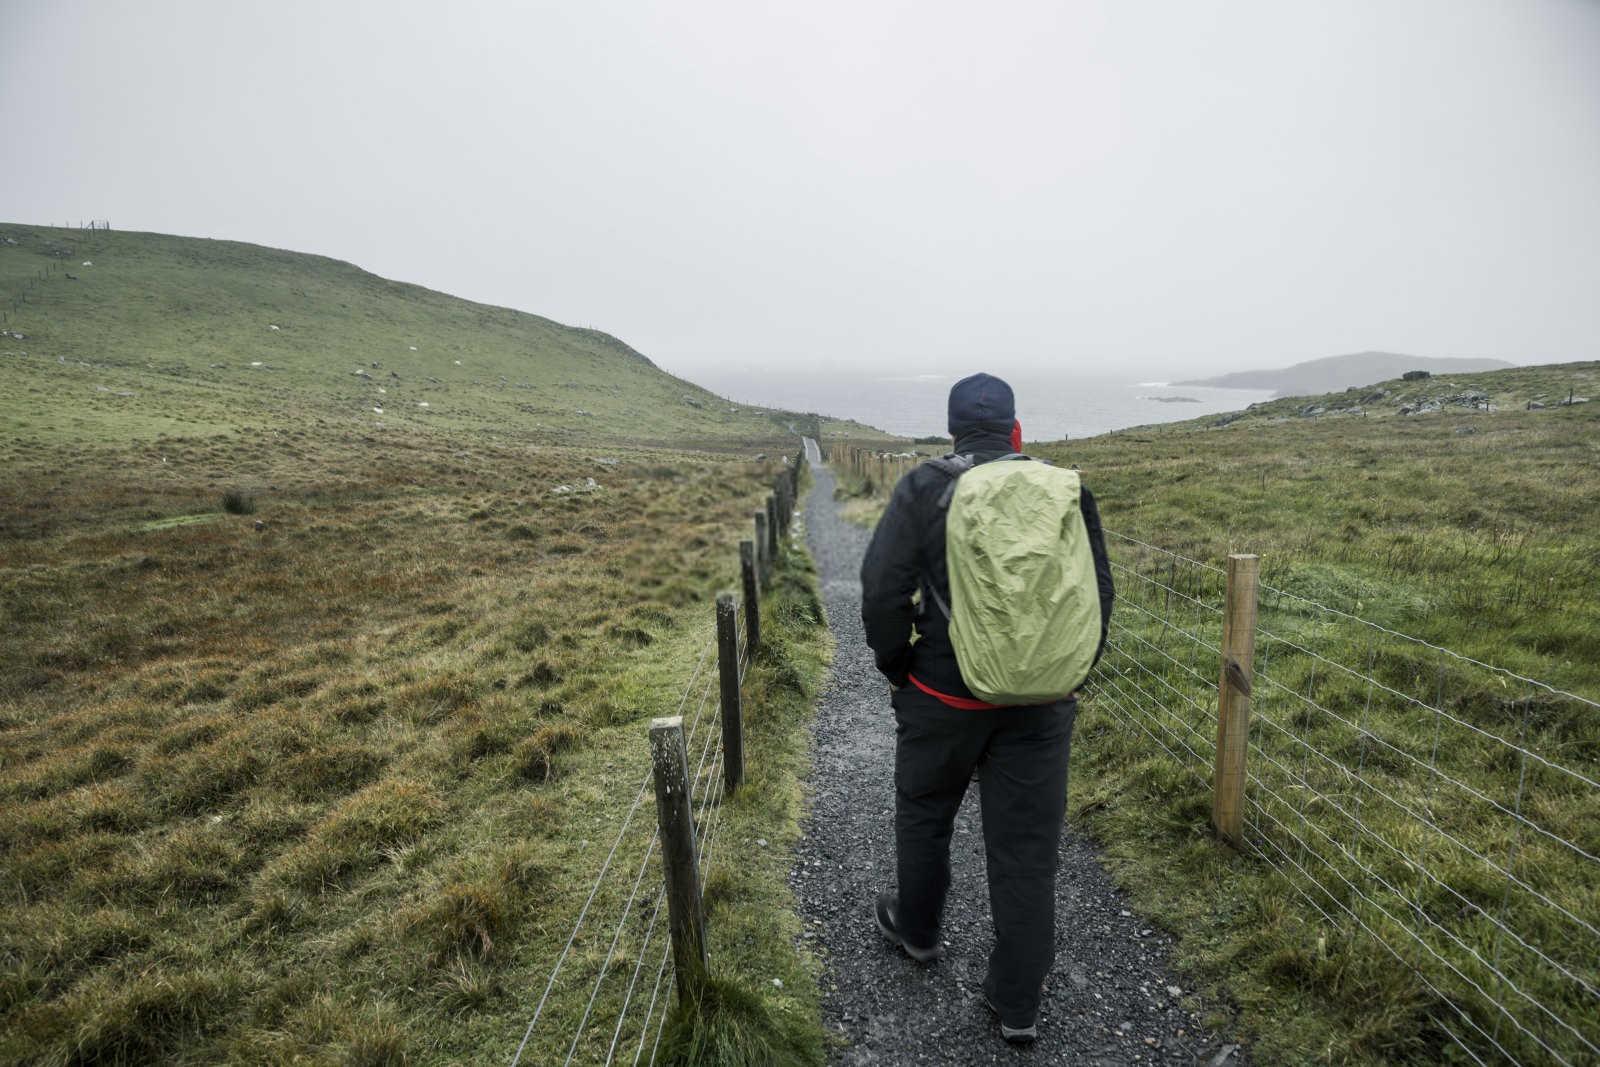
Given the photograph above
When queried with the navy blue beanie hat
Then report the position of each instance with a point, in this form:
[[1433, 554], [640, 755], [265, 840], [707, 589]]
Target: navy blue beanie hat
[[981, 401]]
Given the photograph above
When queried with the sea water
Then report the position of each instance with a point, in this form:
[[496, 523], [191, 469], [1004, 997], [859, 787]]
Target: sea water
[[1049, 407]]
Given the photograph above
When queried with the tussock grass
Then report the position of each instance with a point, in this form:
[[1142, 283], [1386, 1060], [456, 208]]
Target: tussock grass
[[327, 790], [237, 503], [728, 1025], [535, 756]]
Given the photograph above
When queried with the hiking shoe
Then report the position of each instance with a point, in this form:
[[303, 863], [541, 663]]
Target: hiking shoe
[[885, 910], [1016, 1035]]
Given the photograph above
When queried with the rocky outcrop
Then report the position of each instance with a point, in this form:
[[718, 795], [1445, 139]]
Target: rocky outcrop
[[1472, 400]]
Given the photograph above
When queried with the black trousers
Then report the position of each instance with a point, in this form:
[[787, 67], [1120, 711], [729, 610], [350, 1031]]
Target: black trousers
[[1023, 754]]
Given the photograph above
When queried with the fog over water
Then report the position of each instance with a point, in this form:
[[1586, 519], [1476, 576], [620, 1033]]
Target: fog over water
[[1050, 406], [1113, 189]]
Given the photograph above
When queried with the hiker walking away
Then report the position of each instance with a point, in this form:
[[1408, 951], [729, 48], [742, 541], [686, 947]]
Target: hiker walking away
[[1015, 597]]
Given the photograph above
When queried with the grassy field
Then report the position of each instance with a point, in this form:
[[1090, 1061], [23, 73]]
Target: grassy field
[[327, 789], [312, 718], [1476, 531], [185, 337]]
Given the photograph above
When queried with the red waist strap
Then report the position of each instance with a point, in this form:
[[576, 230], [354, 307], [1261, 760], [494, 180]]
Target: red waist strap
[[964, 703]]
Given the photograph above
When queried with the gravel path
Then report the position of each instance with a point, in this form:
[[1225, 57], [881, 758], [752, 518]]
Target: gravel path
[[1111, 997]]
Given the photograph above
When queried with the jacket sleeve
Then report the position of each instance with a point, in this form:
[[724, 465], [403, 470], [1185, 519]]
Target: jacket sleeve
[[1102, 564], [890, 574]]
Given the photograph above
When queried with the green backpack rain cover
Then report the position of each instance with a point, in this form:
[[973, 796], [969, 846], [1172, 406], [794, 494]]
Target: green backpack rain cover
[[1024, 605]]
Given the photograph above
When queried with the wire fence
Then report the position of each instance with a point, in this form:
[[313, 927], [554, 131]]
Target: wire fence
[[1443, 808], [593, 1006], [22, 293]]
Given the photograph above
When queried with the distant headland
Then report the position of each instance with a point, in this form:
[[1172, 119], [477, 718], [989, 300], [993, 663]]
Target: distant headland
[[1332, 373]]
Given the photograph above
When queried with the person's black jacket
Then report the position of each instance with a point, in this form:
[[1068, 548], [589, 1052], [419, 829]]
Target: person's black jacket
[[907, 550]]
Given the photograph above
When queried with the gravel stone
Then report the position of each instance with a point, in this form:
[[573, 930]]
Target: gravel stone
[[885, 1009]]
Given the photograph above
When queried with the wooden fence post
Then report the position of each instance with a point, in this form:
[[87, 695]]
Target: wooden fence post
[[732, 712], [1233, 697], [772, 530], [675, 814], [763, 564], [752, 597]]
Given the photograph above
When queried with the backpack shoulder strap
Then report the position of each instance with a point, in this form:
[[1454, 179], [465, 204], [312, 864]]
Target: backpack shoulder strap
[[955, 466]]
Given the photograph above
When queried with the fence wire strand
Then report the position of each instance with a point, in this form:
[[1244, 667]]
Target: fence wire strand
[[606, 868], [702, 744], [1389, 813]]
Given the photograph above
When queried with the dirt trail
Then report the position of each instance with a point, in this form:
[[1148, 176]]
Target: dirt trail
[[1109, 999]]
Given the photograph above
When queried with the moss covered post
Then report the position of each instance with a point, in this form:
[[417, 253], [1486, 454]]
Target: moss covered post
[[752, 597], [1233, 697], [763, 560], [675, 813], [732, 709]]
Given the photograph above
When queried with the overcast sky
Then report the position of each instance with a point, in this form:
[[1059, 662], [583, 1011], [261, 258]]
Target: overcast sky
[[1162, 188]]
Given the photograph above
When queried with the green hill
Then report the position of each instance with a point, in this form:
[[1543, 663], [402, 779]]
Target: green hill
[[1541, 388], [1338, 372], [130, 335]]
